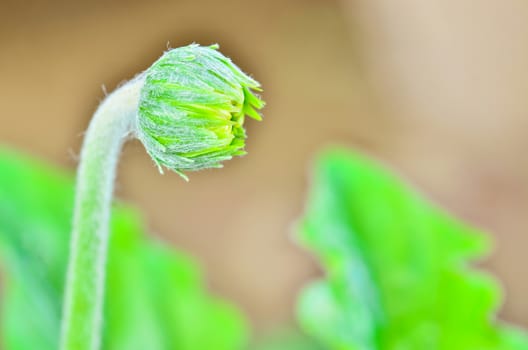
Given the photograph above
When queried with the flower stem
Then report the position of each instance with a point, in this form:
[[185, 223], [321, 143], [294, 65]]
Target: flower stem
[[84, 294]]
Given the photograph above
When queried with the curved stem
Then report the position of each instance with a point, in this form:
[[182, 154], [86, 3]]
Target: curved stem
[[84, 294]]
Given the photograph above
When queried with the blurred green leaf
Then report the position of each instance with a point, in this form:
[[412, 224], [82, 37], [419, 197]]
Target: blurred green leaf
[[155, 297], [396, 267]]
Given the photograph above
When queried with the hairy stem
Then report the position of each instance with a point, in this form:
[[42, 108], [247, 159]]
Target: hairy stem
[[84, 294]]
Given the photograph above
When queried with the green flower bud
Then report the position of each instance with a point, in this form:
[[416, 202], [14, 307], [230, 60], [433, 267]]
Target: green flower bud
[[192, 108]]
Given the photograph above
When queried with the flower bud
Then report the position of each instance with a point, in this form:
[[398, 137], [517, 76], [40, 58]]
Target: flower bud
[[192, 108]]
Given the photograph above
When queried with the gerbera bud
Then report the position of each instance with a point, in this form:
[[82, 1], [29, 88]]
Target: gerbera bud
[[188, 109], [192, 108]]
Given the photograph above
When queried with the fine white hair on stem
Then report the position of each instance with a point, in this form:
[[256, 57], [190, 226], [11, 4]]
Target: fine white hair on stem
[[188, 110], [110, 126]]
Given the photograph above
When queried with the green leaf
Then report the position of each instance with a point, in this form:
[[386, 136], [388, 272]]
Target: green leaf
[[397, 274], [156, 298]]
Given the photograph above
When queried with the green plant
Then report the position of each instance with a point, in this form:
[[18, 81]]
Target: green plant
[[156, 298], [397, 274], [188, 109]]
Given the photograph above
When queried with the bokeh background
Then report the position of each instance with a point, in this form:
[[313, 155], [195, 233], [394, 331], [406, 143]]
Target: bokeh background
[[437, 89]]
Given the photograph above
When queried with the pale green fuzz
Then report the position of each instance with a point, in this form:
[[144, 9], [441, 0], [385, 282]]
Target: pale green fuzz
[[192, 109], [188, 109]]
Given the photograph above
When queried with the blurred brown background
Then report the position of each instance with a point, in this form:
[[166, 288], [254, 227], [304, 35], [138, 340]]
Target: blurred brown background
[[437, 89]]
